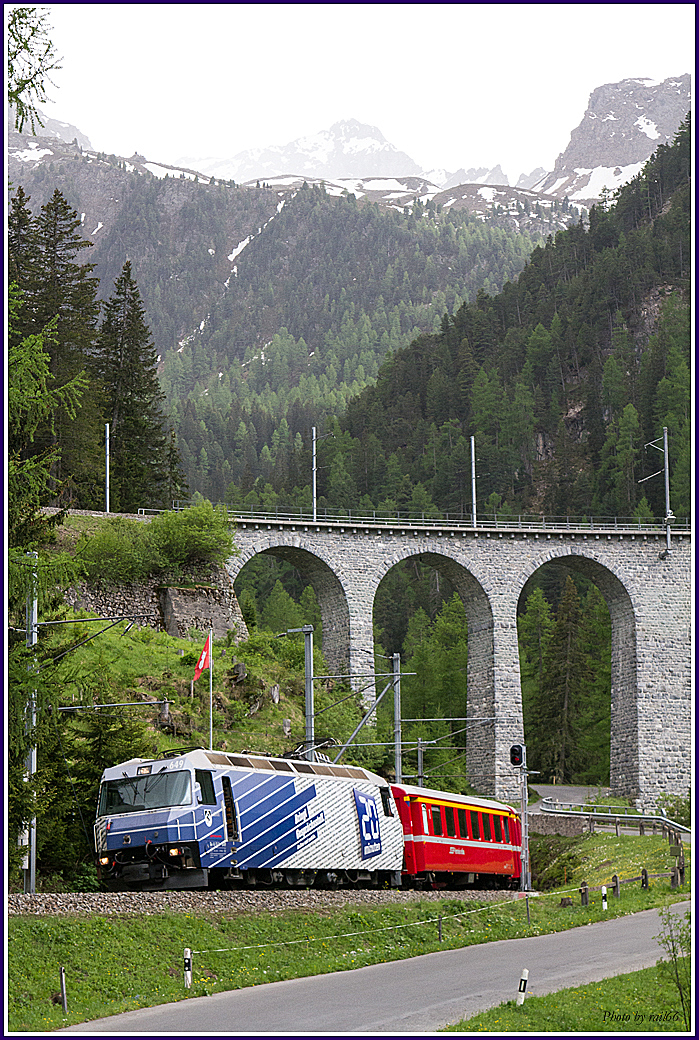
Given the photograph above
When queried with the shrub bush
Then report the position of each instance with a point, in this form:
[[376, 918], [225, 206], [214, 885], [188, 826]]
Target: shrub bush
[[125, 551], [198, 535], [678, 807]]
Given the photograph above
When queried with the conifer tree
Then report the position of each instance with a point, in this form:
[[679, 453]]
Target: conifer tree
[[140, 473], [22, 252], [534, 630], [59, 292], [566, 685], [63, 288], [31, 56], [31, 401]]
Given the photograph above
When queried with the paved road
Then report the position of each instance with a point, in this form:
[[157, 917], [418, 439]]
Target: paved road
[[565, 793], [419, 995]]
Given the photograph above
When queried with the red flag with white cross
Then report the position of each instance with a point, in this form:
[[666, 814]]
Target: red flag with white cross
[[204, 659]]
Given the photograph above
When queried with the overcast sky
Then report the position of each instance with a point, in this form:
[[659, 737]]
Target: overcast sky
[[453, 85]]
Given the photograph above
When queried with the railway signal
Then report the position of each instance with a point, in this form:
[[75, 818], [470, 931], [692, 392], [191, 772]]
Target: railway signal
[[518, 758]]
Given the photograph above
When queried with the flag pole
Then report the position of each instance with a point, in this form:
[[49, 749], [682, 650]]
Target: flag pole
[[211, 689]]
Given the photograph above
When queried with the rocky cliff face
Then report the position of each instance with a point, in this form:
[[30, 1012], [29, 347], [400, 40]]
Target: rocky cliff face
[[50, 128], [624, 124]]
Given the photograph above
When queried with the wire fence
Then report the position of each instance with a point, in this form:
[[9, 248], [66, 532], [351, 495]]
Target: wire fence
[[676, 875]]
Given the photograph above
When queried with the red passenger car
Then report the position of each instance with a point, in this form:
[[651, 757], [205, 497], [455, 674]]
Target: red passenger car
[[454, 841]]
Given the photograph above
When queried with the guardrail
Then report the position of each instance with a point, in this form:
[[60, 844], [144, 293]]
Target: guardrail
[[483, 521], [610, 814]]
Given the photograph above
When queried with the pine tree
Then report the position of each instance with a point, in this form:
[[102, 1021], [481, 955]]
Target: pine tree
[[534, 626], [31, 401], [59, 292], [22, 252], [132, 401], [566, 681], [64, 289], [593, 747]]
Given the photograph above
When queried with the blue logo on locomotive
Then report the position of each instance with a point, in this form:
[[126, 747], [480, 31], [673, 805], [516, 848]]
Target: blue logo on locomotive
[[368, 819]]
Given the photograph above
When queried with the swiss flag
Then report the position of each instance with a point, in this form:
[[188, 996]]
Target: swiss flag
[[204, 660]]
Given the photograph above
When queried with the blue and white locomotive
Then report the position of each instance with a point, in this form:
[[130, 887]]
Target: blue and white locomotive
[[210, 819]]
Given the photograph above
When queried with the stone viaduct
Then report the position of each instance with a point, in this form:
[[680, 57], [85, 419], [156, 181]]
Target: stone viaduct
[[647, 591]]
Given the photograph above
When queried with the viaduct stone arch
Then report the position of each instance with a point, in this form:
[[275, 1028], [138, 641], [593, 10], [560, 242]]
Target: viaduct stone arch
[[646, 591]]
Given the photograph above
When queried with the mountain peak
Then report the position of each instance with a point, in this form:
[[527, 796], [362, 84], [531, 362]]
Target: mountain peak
[[352, 127], [347, 149]]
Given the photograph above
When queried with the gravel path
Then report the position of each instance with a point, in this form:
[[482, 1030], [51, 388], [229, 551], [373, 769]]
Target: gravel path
[[230, 901]]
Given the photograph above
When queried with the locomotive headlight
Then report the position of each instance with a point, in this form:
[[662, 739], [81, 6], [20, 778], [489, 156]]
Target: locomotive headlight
[[175, 852], [104, 861]]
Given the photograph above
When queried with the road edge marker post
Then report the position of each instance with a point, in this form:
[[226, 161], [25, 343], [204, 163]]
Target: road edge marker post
[[522, 985]]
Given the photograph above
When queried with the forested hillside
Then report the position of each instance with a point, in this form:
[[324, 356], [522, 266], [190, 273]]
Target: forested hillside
[[319, 300], [270, 308], [561, 378]]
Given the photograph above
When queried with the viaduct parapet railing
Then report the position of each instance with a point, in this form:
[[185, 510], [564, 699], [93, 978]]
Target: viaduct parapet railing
[[410, 520]]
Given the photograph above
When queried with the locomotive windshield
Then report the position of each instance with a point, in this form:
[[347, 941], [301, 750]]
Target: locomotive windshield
[[137, 793]]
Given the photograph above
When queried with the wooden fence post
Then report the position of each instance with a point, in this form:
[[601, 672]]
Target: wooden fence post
[[584, 894]]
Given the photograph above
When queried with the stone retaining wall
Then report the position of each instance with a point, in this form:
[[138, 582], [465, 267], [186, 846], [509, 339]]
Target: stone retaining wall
[[548, 823], [173, 607]]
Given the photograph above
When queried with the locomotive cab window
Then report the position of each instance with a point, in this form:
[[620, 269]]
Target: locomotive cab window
[[451, 823], [386, 801], [206, 783], [437, 819], [138, 794], [506, 828]]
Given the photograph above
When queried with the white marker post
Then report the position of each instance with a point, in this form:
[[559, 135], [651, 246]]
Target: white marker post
[[523, 985], [187, 968], [604, 897]]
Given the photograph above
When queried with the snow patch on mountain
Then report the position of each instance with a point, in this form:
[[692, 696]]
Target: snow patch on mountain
[[593, 182], [648, 128], [169, 171], [32, 153]]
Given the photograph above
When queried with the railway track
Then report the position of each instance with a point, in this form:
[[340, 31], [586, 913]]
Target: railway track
[[230, 901]]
